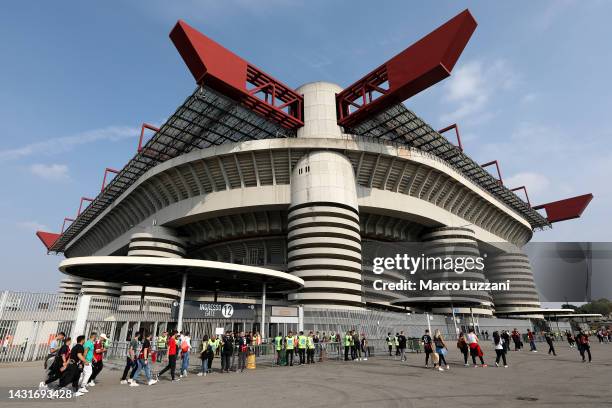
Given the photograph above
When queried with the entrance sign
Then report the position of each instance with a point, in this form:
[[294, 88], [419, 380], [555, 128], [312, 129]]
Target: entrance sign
[[205, 310]]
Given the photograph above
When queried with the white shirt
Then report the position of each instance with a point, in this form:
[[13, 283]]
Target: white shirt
[[471, 338]]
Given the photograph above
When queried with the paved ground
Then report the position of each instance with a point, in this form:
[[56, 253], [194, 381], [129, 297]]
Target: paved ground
[[532, 380]]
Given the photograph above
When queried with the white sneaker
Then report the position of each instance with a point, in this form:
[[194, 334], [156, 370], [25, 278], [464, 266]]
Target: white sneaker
[[199, 374], [440, 369], [505, 366], [83, 389], [151, 382], [42, 385], [91, 384], [496, 365], [123, 382], [78, 394], [133, 384], [365, 359], [466, 365], [130, 380], [447, 367]]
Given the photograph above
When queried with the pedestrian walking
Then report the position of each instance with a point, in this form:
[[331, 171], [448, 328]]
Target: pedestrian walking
[[98, 357], [143, 362], [131, 363], [441, 350], [500, 350], [463, 347], [390, 342], [475, 350], [426, 341], [549, 337], [72, 373], [185, 350], [401, 340], [584, 347], [88, 352], [532, 345], [172, 355]]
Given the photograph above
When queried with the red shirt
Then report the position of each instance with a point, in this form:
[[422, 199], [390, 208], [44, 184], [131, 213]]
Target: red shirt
[[172, 346], [98, 356]]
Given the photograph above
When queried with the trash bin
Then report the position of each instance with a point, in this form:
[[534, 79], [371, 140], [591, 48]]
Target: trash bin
[[250, 361]]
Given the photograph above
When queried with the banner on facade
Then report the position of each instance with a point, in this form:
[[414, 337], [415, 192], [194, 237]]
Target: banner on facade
[[206, 310]]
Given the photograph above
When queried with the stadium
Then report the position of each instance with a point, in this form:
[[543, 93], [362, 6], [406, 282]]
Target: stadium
[[273, 200]]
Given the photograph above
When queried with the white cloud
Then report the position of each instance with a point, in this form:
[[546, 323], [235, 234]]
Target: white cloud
[[67, 143], [536, 183], [50, 172], [471, 87], [528, 98], [32, 226]]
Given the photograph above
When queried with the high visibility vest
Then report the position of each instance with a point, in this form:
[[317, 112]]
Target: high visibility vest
[[302, 342], [310, 343], [278, 340], [396, 341], [162, 342], [347, 340], [389, 341], [289, 342], [352, 341], [215, 344]]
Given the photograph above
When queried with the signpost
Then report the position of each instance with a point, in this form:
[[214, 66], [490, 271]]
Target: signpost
[[211, 310]]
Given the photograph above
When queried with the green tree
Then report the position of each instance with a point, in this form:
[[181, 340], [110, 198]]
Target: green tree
[[601, 306]]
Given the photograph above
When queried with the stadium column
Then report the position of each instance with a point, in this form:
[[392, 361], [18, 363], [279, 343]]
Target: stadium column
[[161, 242], [324, 240], [456, 242]]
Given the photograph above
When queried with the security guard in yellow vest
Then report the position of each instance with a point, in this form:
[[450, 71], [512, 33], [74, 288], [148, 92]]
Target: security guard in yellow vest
[[278, 345], [390, 342], [162, 346], [302, 342], [310, 348], [347, 345], [289, 345]]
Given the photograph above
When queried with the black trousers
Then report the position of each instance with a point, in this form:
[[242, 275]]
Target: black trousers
[[71, 375], [390, 350], [210, 361], [290, 357], [465, 355], [310, 356], [427, 353], [129, 364], [171, 366], [500, 354], [474, 354], [585, 348], [96, 367], [551, 349], [346, 352], [302, 354], [226, 361]]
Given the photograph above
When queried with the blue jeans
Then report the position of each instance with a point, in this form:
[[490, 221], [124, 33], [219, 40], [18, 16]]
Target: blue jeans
[[532, 345], [205, 365], [142, 366], [185, 364]]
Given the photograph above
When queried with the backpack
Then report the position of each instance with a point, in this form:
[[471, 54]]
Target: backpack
[[184, 346]]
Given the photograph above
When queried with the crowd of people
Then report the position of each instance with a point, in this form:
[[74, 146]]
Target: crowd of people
[[77, 363]]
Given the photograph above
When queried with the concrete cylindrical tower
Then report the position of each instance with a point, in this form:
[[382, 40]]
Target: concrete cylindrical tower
[[68, 292], [320, 119], [513, 265], [457, 242], [324, 241], [156, 242]]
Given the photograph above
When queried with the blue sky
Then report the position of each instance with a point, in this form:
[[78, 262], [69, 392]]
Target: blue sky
[[532, 89]]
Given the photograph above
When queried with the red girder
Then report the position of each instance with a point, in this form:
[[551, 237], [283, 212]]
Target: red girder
[[47, 238], [222, 70], [499, 176], [423, 64], [64, 223], [567, 209], [106, 171], [524, 190], [142, 130], [81, 204], [453, 126]]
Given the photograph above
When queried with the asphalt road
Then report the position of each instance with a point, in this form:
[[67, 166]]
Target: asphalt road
[[531, 380]]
